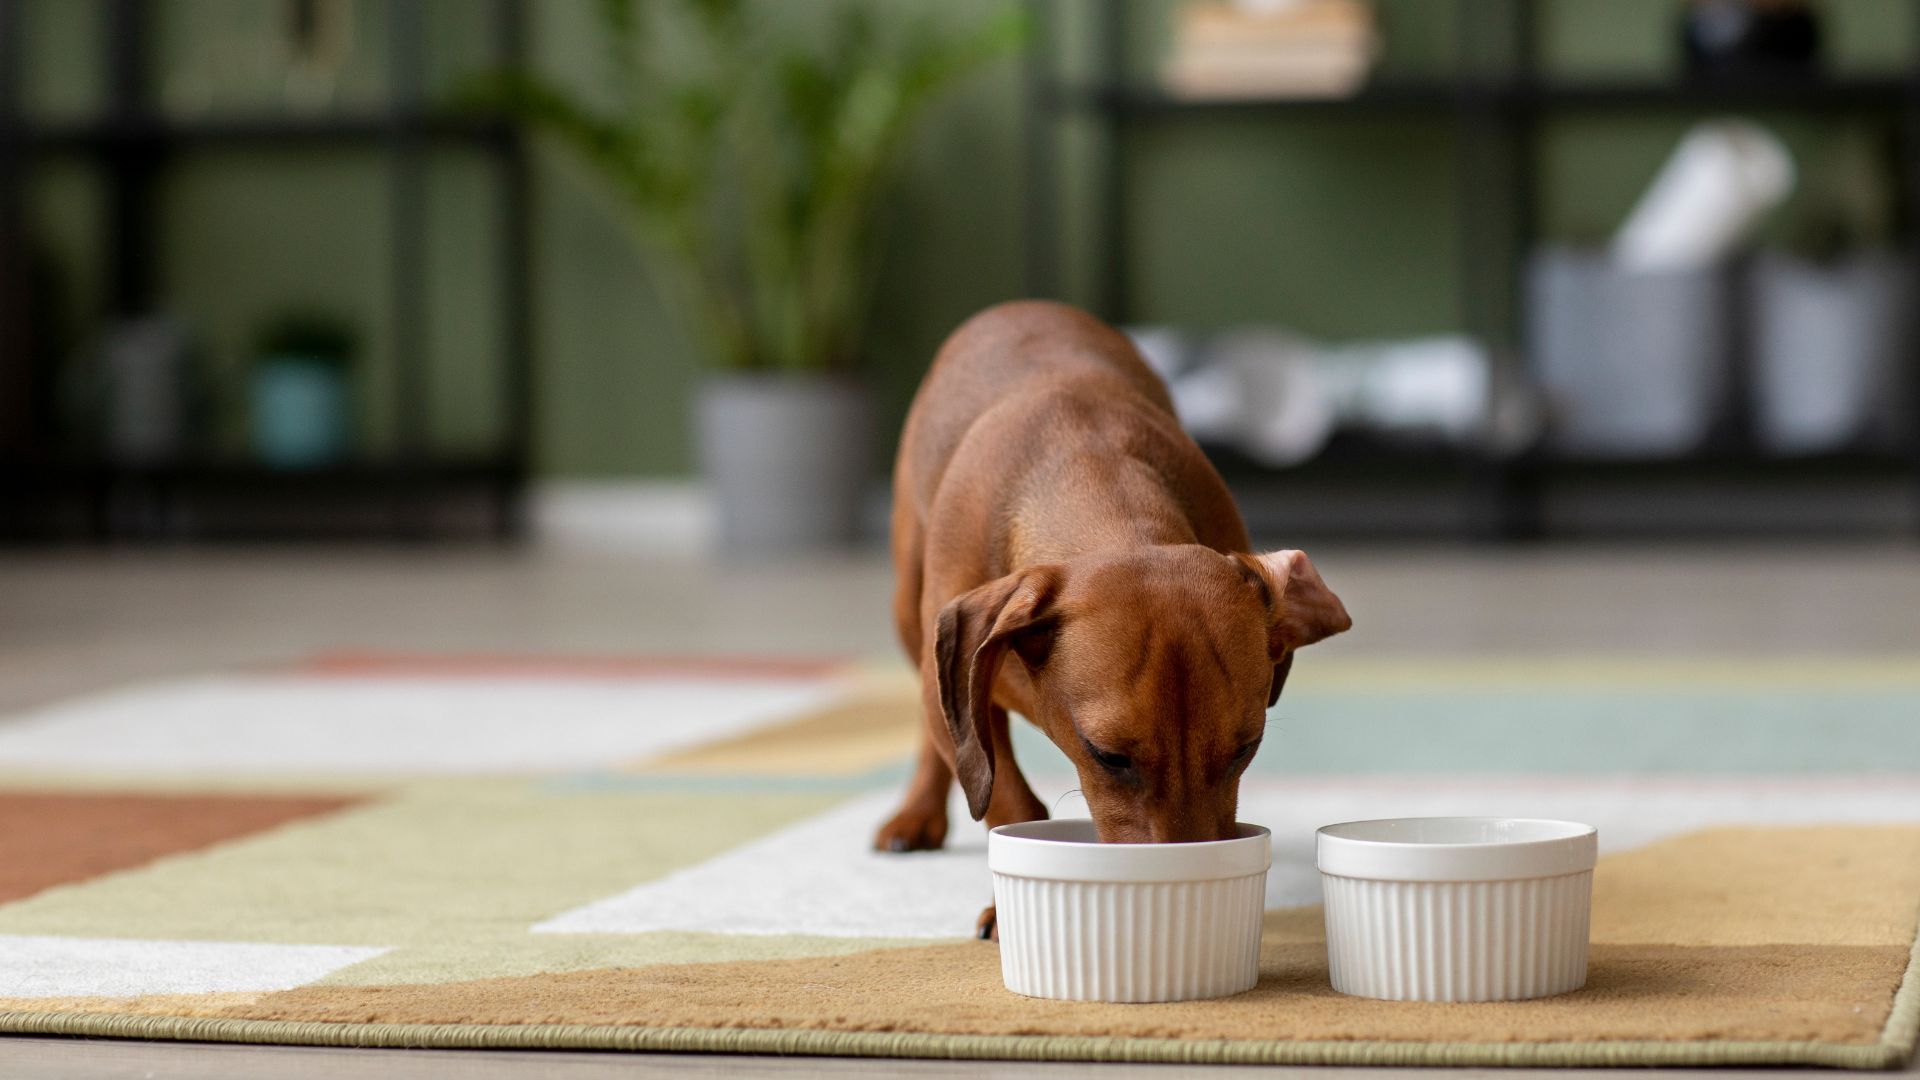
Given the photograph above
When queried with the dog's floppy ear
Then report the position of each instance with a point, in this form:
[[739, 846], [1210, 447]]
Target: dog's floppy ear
[[971, 637], [1300, 608]]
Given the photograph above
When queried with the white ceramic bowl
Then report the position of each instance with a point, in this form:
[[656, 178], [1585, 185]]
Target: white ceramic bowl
[[1086, 921], [1457, 909]]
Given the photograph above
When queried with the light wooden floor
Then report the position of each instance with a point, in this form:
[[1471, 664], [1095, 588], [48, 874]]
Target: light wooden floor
[[79, 620]]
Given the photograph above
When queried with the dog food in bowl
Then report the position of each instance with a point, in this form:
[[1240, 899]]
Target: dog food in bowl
[[1085, 921], [1457, 909]]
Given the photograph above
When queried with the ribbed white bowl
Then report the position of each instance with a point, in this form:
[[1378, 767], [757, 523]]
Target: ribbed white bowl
[[1457, 909], [1086, 921]]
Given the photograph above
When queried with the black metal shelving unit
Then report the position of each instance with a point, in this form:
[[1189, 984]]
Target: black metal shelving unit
[[400, 494], [1495, 104]]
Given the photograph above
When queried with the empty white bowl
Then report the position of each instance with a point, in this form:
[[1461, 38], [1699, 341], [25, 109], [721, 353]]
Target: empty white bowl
[[1457, 909], [1085, 921]]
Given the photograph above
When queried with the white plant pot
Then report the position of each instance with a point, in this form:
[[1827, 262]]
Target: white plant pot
[[1633, 362], [786, 460], [1829, 344]]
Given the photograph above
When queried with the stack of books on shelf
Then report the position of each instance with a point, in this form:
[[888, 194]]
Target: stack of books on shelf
[[1271, 48]]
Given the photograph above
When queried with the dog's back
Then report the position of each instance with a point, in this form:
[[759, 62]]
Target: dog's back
[[1023, 350], [1017, 401]]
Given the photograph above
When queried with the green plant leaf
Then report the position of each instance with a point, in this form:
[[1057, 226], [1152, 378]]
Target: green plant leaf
[[757, 159]]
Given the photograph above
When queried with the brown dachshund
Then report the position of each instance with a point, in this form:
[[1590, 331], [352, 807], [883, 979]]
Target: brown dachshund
[[1049, 508]]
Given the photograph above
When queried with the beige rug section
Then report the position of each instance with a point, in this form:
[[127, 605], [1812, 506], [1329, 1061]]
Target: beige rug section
[[1730, 945], [1784, 993]]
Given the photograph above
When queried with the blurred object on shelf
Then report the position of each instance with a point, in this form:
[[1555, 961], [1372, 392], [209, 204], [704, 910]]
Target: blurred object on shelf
[[1257, 390], [147, 392], [302, 398], [1633, 362], [1279, 398], [1274, 48], [253, 57], [1723, 178], [1747, 38], [1830, 341], [319, 39], [1831, 332], [1633, 346], [1431, 389], [1168, 350]]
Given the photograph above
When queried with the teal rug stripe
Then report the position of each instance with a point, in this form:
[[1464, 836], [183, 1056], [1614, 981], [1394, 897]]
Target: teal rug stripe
[[1558, 731], [1564, 731]]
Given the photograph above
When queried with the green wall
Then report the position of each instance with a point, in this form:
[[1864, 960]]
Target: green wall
[[1338, 226]]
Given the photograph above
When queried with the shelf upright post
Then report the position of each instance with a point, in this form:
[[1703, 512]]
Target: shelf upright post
[[1111, 71], [19, 392], [1478, 130], [516, 300], [128, 501], [1910, 173], [1520, 484], [133, 162], [1040, 213], [1495, 98], [407, 294]]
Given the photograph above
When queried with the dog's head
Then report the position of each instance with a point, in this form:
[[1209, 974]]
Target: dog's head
[[1152, 669]]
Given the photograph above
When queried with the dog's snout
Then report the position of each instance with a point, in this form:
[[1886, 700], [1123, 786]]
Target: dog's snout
[[1174, 827], [1189, 834]]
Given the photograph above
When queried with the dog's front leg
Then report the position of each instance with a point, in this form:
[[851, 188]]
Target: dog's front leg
[[1012, 802]]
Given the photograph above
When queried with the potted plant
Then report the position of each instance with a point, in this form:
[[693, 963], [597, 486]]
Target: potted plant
[[301, 392], [753, 158]]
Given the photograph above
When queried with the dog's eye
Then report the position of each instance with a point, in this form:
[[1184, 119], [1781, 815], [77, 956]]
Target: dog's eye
[[1117, 763]]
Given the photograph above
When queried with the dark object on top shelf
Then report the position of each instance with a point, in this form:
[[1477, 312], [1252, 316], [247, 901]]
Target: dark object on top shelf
[[1748, 38]]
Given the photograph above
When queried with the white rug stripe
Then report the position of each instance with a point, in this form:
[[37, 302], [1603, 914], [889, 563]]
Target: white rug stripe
[[467, 725], [45, 967], [818, 877]]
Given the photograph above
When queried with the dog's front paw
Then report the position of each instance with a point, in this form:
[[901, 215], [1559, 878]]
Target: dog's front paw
[[912, 830], [987, 927]]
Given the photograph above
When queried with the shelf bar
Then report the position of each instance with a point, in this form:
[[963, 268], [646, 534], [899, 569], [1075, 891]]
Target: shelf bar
[[1041, 212], [1910, 173], [131, 233], [112, 135], [1441, 95], [20, 391], [1115, 291], [516, 294], [407, 188]]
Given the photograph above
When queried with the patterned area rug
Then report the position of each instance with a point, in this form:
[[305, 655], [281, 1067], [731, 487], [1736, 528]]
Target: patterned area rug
[[611, 853]]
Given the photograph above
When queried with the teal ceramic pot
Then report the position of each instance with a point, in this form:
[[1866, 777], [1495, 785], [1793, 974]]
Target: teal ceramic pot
[[302, 412]]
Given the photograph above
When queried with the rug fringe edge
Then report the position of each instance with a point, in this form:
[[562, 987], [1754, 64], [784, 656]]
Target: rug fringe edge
[[1890, 1052]]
